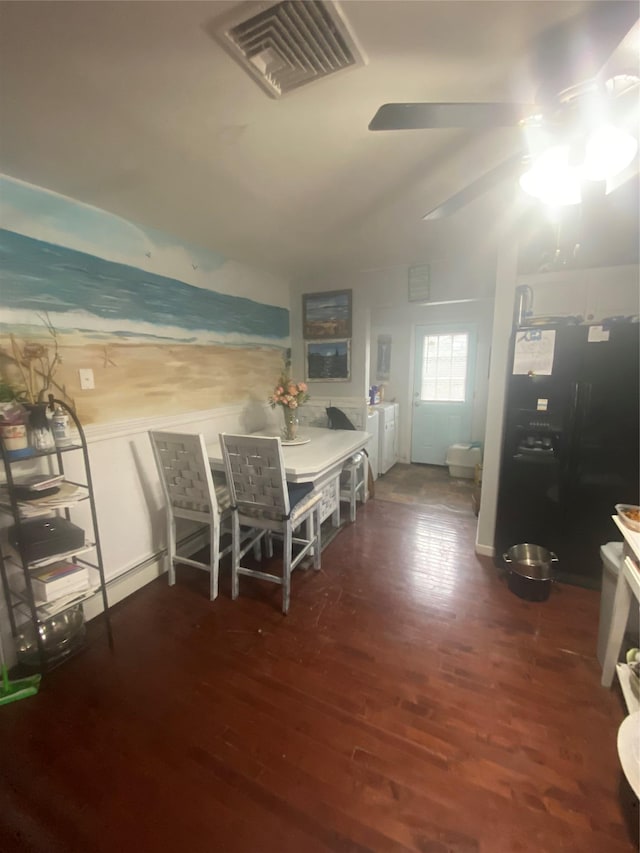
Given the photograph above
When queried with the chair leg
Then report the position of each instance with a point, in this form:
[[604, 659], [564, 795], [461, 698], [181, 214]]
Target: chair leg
[[235, 559], [269, 547], [286, 567], [365, 481], [214, 562], [257, 549], [335, 518], [309, 535], [352, 496], [171, 548], [317, 550]]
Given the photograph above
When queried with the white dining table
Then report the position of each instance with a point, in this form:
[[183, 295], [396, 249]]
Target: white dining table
[[319, 461]]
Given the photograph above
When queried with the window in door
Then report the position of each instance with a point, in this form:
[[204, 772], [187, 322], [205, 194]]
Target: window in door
[[444, 368]]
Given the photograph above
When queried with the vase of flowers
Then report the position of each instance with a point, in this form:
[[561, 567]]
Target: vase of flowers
[[290, 395]]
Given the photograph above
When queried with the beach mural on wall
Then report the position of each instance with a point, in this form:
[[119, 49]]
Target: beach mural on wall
[[124, 302]]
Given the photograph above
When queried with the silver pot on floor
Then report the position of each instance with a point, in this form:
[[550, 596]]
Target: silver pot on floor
[[530, 571]]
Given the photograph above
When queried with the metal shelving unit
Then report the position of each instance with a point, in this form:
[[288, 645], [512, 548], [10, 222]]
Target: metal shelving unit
[[16, 570]]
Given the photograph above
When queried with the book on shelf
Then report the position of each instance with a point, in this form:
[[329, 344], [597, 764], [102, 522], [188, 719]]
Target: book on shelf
[[42, 502], [39, 482], [58, 579]]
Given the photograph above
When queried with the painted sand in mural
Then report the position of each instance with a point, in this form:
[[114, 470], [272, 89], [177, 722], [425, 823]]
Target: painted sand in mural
[[155, 344]]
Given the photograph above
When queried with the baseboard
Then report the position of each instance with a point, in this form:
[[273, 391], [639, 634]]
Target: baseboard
[[131, 581], [485, 550]]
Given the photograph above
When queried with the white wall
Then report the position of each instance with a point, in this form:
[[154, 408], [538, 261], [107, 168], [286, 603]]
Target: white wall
[[381, 305], [401, 324]]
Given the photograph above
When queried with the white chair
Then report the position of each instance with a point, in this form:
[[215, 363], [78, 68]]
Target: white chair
[[353, 477], [353, 481], [261, 497], [190, 493]]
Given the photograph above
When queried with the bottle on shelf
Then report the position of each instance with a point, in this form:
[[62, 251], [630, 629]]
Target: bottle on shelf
[[60, 425], [40, 436]]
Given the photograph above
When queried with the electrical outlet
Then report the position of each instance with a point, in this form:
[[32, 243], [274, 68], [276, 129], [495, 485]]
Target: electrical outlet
[[86, 379]]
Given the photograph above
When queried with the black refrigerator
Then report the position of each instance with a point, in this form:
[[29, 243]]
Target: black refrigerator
[[571, 442]]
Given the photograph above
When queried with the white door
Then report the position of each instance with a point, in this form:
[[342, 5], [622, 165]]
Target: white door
[[443, 391]]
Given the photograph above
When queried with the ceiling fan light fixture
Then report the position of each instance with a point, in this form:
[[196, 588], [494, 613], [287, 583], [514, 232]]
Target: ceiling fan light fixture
[[552, 179], [609, 150]]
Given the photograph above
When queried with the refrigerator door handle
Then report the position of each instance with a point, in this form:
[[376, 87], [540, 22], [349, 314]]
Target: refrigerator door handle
[[578, 416]]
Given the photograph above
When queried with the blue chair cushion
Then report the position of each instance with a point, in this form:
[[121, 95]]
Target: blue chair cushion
[[298, 491]]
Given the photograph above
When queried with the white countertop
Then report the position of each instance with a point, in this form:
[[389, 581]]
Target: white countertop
[[326, 449], [630, 537]]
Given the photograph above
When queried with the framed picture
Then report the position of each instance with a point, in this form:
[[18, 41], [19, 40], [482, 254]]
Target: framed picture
[[326, 315], [383, 365], [328, 361]]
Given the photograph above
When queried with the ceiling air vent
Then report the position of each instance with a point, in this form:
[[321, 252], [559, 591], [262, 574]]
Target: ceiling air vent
[[287, 45]]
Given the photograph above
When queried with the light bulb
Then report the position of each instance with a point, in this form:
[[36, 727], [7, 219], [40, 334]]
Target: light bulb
[[609, 150], [552, 179]]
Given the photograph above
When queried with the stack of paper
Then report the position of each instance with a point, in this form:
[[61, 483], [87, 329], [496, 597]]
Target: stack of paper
[[67, 494]]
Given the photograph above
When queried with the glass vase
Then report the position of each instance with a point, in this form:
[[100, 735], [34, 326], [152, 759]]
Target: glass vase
[[290, 432]]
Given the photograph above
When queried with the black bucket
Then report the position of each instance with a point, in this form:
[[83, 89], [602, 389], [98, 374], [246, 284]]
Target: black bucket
[[530, 569]]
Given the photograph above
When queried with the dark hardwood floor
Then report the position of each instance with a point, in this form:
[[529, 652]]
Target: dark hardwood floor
[[408, 702]]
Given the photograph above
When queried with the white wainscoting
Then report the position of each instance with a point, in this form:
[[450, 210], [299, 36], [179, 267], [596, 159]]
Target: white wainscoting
[[128, 494]]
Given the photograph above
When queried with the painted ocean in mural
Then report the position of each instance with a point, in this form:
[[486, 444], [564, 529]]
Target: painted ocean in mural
[[93, 295], [157, 345]]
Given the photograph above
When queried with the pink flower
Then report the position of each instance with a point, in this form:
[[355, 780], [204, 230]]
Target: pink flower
[[288, 393]]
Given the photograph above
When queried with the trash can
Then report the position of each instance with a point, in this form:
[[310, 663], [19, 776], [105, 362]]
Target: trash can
[[462, 459], [612, 557]]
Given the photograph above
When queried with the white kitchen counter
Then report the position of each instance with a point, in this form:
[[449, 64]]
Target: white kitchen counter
[[627, 595]]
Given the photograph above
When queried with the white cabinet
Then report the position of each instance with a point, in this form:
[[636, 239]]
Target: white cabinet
[[388, 416], [372, 447]]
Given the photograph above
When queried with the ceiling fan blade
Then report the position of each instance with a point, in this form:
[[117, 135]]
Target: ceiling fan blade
[[576, 49], [624, 58], [476, 188], [471, 115]]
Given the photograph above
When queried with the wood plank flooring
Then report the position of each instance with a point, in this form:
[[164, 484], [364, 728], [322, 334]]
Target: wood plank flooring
[[408, 702]]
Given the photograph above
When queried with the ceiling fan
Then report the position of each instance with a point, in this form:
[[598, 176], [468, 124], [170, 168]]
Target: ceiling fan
[[591, 58]]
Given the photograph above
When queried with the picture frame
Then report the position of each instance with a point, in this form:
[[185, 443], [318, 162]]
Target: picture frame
[[327, 315], [328, 361], [383, 362]]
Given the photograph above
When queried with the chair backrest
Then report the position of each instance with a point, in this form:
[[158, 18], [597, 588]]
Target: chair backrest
[[185, 473], [255, 473]]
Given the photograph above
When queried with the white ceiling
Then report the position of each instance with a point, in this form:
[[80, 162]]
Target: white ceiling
[[133, 107]]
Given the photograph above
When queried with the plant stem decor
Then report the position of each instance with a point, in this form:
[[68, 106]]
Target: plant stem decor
[[36, 364]]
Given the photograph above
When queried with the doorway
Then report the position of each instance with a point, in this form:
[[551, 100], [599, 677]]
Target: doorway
[[443, 390]]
